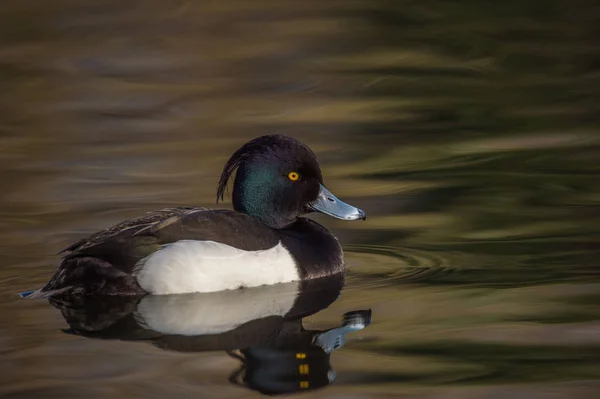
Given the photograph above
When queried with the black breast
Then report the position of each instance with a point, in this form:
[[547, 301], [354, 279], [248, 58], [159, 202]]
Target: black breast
[[317, 252]]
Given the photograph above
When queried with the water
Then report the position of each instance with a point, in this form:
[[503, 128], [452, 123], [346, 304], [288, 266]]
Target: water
[[468, 132]]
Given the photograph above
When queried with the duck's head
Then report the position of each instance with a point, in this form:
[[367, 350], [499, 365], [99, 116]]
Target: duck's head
[[278, 179]]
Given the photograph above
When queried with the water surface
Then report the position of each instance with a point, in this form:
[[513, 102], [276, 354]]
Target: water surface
[[468, 132]]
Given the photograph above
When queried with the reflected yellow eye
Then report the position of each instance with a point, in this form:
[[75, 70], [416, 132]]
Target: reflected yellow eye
[[303, 369], [293, 176]]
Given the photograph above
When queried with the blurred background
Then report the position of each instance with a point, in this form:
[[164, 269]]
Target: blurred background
[[467, 130]]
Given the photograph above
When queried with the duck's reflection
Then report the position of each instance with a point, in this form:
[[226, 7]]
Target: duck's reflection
[[261, 327]]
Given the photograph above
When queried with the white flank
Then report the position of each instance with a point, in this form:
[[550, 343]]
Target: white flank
[[206, 266], [214, 313]]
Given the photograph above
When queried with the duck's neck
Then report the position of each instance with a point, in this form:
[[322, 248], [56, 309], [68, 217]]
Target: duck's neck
[[255, 194]]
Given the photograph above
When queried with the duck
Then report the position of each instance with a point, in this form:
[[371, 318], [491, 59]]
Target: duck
[[266, 239]]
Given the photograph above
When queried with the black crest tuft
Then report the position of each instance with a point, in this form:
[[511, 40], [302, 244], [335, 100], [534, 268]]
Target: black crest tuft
[[260, 145]]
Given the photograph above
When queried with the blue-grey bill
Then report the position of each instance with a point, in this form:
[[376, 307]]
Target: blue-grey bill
[[328, 204]]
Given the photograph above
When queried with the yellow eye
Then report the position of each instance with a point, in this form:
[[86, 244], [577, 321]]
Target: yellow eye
[[293, 176]]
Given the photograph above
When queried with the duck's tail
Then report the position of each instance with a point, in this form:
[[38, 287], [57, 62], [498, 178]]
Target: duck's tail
[[41, 294], [87, 276], [27, 294]]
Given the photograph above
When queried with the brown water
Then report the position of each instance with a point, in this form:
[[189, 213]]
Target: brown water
[[468, 131]]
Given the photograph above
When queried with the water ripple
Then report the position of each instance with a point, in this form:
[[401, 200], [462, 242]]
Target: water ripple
[[377, 265]]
